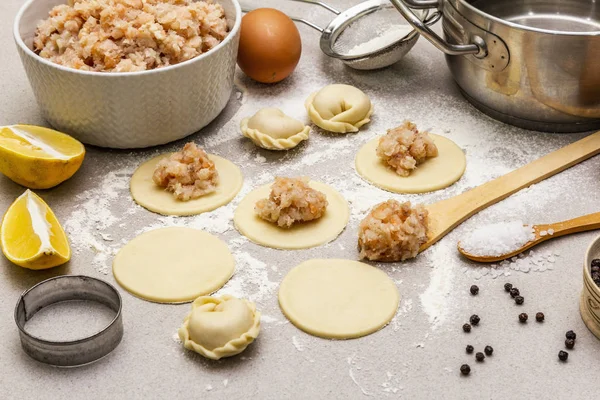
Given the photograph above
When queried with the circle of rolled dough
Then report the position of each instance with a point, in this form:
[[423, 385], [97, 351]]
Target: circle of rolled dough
[[338, 299], [434, 174], [156, 199], [300, 236], [173, 265]]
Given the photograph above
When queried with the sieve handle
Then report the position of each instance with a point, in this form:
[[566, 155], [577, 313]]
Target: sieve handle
[[477, 49], [306, 22], [293, 18], [319, 3]]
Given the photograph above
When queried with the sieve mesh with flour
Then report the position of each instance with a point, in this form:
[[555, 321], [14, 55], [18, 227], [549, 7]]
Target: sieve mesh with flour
[[370, 35]]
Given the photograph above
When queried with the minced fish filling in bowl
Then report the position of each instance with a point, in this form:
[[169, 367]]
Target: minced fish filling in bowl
[[129, 35]]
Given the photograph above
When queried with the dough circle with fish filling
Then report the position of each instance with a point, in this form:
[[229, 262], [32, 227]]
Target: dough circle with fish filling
[[433, 174], [173, 265], [156, 199], [338, 299], [301, 235]]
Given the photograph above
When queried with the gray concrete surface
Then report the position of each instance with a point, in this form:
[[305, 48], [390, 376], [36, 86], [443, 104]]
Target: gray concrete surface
[[419, 354]]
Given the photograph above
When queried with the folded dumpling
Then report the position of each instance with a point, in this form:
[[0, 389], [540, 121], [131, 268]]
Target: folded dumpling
[[339, 108], [271, 129], [220, 327]]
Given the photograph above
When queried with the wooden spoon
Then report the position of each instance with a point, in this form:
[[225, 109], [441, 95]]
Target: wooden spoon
[[447, 214], [581, 224]]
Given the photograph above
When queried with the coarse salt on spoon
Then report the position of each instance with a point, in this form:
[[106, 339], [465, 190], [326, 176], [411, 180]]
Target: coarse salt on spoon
[[447, 214], [541, 233]]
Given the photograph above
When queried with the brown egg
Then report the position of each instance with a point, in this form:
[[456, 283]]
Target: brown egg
[[270, 45]]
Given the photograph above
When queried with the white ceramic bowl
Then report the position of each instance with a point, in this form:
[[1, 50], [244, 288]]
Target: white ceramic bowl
[[129, 109]]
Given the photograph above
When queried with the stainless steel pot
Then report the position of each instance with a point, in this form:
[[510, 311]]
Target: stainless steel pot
[[529, 63]]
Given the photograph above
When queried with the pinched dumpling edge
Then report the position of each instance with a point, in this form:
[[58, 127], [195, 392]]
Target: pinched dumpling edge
[[231, 348], [268, 142], [335, 126]]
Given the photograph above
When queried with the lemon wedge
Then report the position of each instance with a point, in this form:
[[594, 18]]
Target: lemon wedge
[[31, 236], [38, 157]]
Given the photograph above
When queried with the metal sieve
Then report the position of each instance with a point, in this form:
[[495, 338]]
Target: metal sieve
[[370, 35]]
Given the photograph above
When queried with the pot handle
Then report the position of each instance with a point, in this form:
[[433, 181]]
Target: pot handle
[[478, 48]]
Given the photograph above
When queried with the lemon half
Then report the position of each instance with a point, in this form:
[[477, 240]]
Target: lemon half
[[38, 157], [31, 236]]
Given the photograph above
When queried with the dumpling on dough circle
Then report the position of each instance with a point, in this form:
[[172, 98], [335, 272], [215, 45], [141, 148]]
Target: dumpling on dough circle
[[220, 327], [271, 129], [339, 108]]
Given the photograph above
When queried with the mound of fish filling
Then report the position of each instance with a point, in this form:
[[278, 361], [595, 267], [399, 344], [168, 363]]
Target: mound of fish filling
[[129, 35], [404, 147], [291, 201], [188, 174], [393, 231]]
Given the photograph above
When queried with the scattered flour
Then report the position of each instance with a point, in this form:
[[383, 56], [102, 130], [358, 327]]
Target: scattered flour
[[251, 279], [267, 319], [389, 385], [299, 346], [352, 362], [217, 221], [94, 213], [444, 261], [176, 338]]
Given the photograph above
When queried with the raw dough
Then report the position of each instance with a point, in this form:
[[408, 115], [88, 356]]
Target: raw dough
[[434, 174], [271, 129], [339, 299], [339, 108], [299, 236], [154, 198], [173, 265], [220, 327]]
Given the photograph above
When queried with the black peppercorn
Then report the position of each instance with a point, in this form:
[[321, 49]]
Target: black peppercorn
[[508, 287], [569, 343], [595, 269], [488, 350], [479, 356], [571, 335], [523, 317], [467, 328], [596, 262], [465, 369], [514, 292], [474, 290], [474, 319], [519, 300], [539, 317], [563, 355], [470, 349]]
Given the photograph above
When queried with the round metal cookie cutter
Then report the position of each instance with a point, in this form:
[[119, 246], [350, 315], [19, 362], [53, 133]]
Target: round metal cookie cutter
[[65, 288]]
